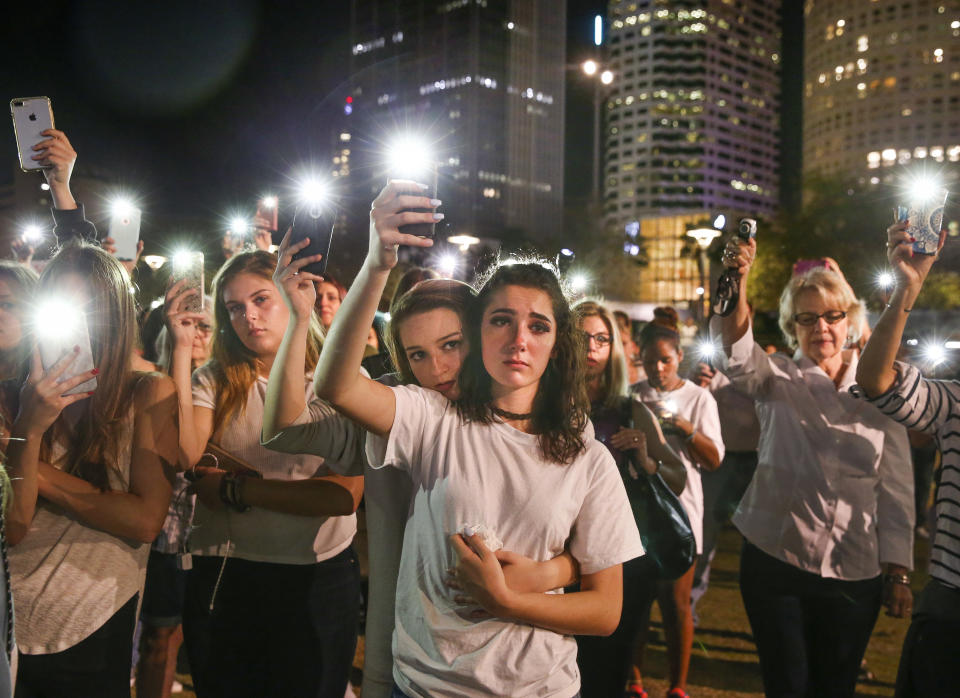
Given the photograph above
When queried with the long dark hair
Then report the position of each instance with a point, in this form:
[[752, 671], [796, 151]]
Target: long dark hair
[[561, 406]]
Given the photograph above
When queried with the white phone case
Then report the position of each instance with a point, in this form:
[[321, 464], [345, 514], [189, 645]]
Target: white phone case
[[53, 348], [125, 231], [31, 117]]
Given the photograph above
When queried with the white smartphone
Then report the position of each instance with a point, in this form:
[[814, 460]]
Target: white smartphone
[[125, 231], [189, 266], [31, 117], [60, 328]]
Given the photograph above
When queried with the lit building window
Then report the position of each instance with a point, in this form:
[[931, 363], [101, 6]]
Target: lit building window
[[938, 55], [873, 159], [863, 43], [344, 136], [920, 152], [953, 153], [889, 155], [936, 152]]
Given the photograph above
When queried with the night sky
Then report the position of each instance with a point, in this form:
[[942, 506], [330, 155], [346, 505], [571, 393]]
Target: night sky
[[200, 107]]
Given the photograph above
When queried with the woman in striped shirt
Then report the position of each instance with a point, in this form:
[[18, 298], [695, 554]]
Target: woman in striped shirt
[[928, 665]]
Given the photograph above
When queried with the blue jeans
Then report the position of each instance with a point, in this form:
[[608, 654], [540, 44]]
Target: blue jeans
[[275, 630], [811, 632]]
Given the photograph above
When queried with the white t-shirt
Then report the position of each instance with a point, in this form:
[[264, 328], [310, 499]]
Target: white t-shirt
[[697, 406], [492, 475], [259, 534]]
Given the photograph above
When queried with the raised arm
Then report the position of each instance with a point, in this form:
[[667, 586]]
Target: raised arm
[[139, 513], [875, 371], [58, 157], [284, 401], [739, 255], [338, 378]]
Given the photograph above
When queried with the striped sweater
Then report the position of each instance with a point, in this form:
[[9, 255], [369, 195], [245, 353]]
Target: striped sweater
[[933, 407]]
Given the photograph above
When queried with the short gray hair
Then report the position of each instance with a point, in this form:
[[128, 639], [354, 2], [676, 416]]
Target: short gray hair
[[830, 286]]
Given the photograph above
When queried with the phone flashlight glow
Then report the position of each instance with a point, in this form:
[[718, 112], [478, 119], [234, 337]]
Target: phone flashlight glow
[[183, 259], [924, 188], [55, 319], [122, 206], [32, 234], [409, 156]]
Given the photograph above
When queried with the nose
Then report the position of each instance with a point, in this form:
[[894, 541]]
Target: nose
[[519, 338]]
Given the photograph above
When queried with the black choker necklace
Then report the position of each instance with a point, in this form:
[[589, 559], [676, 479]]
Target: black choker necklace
[[511, 415]]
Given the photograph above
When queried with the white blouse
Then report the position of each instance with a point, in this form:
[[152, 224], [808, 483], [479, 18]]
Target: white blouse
[[833, 490]]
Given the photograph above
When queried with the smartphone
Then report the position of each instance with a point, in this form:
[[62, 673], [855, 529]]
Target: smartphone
[[31, 117], [266, 216], [125, 231], [926, 218], [316, 223], [56, 338], [189, 266], [424, 230]]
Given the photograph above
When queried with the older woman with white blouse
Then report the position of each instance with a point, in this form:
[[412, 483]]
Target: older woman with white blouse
[[830, 507]]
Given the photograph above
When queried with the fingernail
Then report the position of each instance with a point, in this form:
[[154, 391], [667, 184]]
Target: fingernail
[[438, 216], [435, 202], [90, 393], [95, 372]]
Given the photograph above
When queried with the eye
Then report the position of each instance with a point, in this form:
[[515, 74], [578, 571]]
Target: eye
[[261, 299], [540, 327], [234, 310], [452, 344], [499, 320], [416, 356]]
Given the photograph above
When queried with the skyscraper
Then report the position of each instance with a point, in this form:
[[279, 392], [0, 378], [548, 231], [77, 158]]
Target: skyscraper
[[881, 86], [691, 125], [483, 80]]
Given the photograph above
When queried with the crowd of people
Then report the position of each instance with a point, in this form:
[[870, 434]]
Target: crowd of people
[[203, 477]]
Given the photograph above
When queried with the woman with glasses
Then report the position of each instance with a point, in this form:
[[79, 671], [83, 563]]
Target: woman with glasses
[[830, 507]]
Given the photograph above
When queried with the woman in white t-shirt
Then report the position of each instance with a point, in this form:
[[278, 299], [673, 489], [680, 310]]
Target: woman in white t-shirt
[[507, 465], [91, 474], [272, 598], [688, 414]]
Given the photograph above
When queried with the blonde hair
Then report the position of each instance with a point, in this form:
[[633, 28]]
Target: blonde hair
[[831, 287], [614, 379], [235, 368]]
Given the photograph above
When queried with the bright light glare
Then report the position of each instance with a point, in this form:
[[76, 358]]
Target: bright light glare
[[181, 259], [707, 350], [269, 202], [45, 187], [447, 265], [606, 77], [924, 188], [670, 406], [121, 206], [719, 222], [578, 283], [239, 225], [885, 280], [32, 233], [597, 30], [313, 191], [56, 318], [155, 261], [566, 252], [699, 290], [952, 345], [934, 353], [409, 156], [590, 67], [156, 303]]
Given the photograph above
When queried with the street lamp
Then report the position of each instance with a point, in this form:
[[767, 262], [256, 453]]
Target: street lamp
[[592, 69], [703, 236]]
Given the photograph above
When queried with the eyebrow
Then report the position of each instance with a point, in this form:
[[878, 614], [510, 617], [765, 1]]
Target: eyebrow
[[511, 311], [415, 347]]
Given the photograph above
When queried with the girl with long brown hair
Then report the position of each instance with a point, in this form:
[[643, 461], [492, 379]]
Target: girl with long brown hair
[[274, 577], [91, 479]]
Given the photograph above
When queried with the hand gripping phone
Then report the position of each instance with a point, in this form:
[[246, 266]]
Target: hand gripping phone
[[728, 285], [31, 117], [424, 230]]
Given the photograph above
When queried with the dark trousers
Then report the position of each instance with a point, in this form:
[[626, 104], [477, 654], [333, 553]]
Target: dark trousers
[[811, 632], [97, 667], [275, 630], [929, 663], [605, 662]]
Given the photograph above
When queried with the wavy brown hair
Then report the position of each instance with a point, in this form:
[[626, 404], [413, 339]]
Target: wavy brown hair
[[234, 367], [425, 296], [92, 443], [22, 281], [561, 407]]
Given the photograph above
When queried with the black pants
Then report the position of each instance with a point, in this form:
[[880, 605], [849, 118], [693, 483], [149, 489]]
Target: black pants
[[605, 662], [97, 667], [275, 630], [811, 632], [929, 663]]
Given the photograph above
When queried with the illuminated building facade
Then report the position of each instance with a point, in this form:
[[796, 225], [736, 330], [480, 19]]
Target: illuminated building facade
[[484, 80], [692, 125], [881, 86]]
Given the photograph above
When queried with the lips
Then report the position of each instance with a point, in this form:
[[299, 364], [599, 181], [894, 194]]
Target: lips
[[256, 332], [444, 387], [516, 363]]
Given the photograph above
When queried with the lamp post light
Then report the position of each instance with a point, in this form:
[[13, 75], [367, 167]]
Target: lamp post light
[[703, 236], [602, 78]]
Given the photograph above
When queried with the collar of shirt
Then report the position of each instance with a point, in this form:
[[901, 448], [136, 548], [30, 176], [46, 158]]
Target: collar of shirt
[[848, 375]]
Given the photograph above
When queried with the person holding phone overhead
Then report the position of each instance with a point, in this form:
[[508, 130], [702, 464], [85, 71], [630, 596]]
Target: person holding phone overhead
[[830, 507], [274, 577], [91, 475], [509, 464]]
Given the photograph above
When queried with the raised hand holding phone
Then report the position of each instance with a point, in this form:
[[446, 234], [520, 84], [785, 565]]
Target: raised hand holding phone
[[391, 210], [47, 392], [296, 285], [909, 267]]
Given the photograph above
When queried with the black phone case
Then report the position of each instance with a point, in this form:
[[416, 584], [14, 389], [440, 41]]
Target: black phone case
[[424, 230], [316, 224]]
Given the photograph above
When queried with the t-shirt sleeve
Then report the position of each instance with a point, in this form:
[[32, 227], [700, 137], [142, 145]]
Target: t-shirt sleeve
[[418, 412], [604, 533], [706, 419], [322, 431], [204, 388]]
